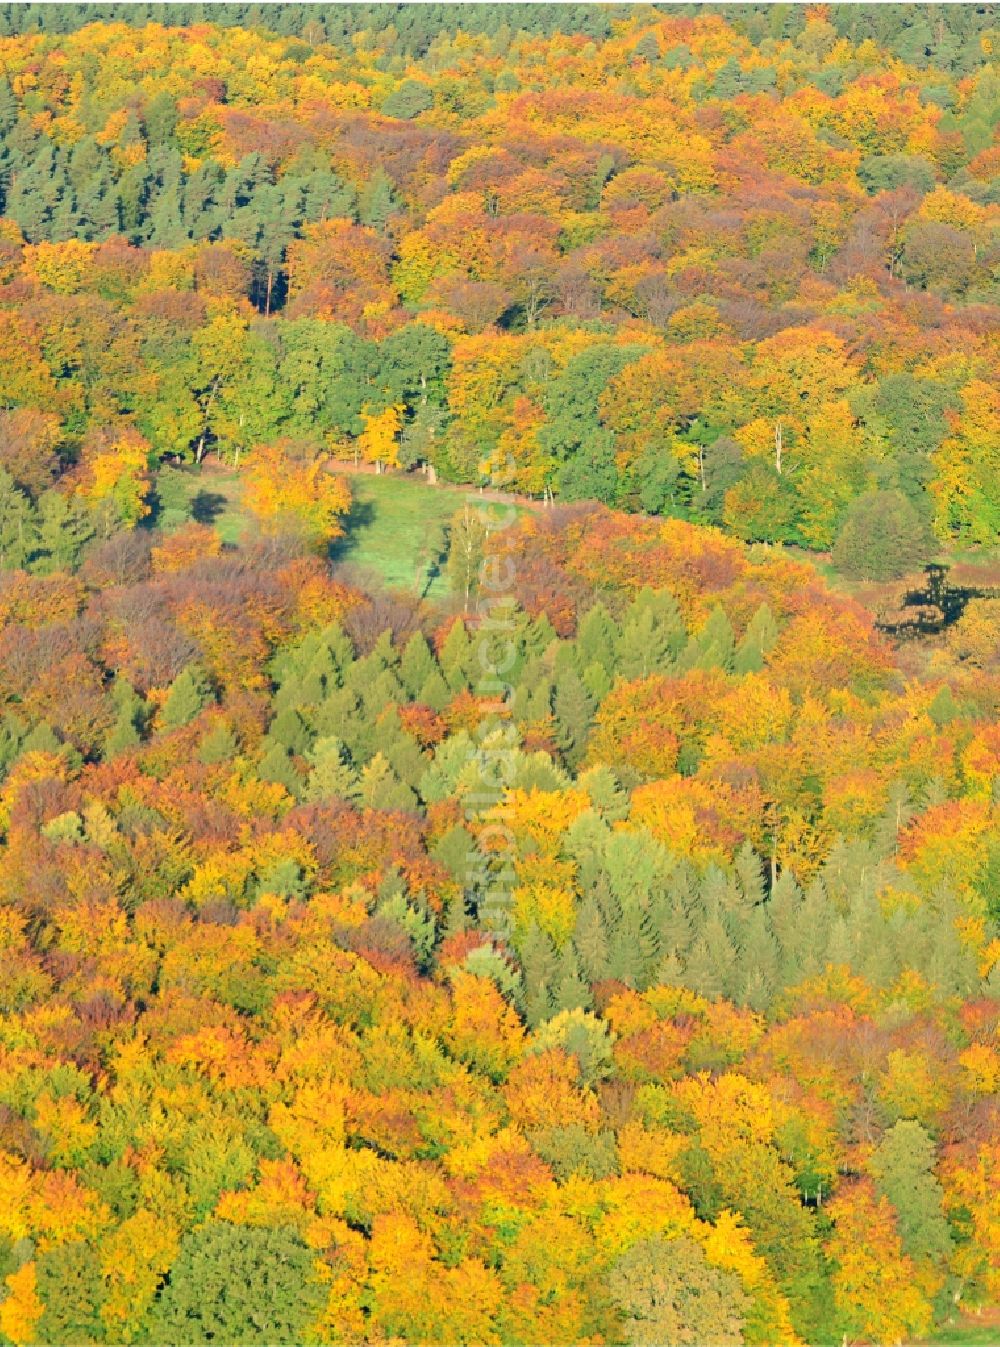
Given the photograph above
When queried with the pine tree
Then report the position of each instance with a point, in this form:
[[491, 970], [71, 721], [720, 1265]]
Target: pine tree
[[379, 787], [276, 765], [377, 201], [840, 944], [290, 731], [337, 714], [669, 971], [760, 637], [605, 792], [11, 734], [399, 748], [218, 745], [538, 636], [41, 738], [759, 961], [700, 973], [635, 948], [674, 923], [712, 967], [455, 657], [435, 692], [384, 691], [570, 992], [122, 736], [8, 108], [590, 940], [385, 650], [457, 852], [597, 639], [574, 709], [417, 664], [750, 876], [189, 693], [18, 525], [540, 964], [903, 1167], [132, 713], [644, 646], [716, 642], [64, 529], [597, 682]]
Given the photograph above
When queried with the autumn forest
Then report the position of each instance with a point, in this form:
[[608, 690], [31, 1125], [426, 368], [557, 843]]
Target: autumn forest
[[499, 675]]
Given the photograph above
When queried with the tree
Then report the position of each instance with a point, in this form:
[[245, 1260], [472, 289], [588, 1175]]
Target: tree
[[71, 1289], [467, 541], [189, 693], [760, 637], [379, 787], [667, 1292], [966, 468], [903, 1168], [408, 100], [65, 526], [874, 1282], [237, 1283], [115, 479], [290, 489], [18, 524], [573, 706], [378, 443], [29, 441], [882, 538], [330, 776]]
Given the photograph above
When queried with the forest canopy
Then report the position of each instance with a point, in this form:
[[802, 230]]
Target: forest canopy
[[738, 268], [594, 936]]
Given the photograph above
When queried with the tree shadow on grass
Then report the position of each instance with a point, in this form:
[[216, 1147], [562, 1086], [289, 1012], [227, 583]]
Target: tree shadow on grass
[[361, 515], [206, 506]]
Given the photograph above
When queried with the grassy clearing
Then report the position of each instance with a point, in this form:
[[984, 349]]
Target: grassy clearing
[[210, 496], [387, 531], [213, 497], [389, 525]]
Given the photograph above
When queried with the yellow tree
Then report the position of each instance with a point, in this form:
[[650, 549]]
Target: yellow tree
[[875, 1285], [289, 494], [967, 470], [115, 479], [378, 443]]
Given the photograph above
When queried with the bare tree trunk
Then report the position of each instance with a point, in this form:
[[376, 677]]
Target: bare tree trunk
[[199, 452]]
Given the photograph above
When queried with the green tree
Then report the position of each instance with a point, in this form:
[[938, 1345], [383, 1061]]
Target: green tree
[[65, 526], [330, 776], [276, 765], [219, 745], [237, 1284], [408, 101], [596, 639], [18, 524], [189, 693], [574, 707], [667, 1292], [72, 1290], [882, 538], [903, 1168], [467, 541], [760, 636], [380, 788]]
